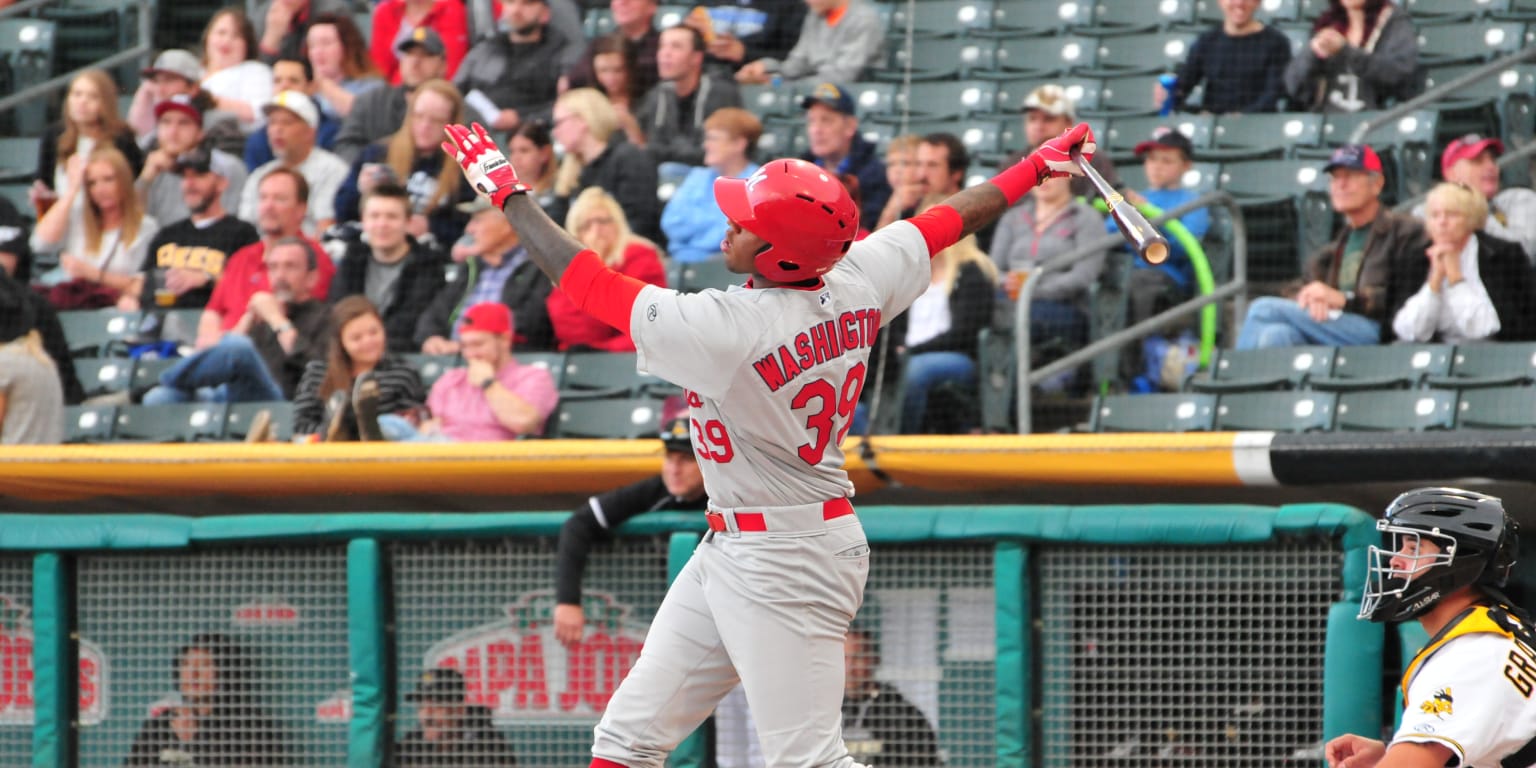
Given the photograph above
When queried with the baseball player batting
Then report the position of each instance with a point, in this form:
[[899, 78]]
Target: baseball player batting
[[772, 370]]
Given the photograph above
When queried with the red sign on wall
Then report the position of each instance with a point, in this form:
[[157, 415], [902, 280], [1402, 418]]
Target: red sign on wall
[[17, 705]]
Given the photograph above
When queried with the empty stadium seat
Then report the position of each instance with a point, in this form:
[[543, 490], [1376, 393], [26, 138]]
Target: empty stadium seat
[[1381, 366], [986, 138], [1117, 17], [1438, 11], [671, 15], [1209, 11], [1499, 105], [998, 382], [1398, 410], [1463, 42], [874, 100], [554, 362], [432, 367], [1497, 408], [237, 422], [89, 423], [16, 194], [1290, 411], [939, 18], [1248, 370], [1012, 90], [1263, 135], [91, 30], [28, 50], [765, 99], [182, 423], [1272, 195], [947, 100], [1125, 133], [1489, 365], [1048, 57], [18, 164], [1186, 412], [1015, 18], [625, 418], [700, 275], [598, 375], [1121, 96], [98, 332], [104, 375], [1141, 54], [147, 370], [939, 58]]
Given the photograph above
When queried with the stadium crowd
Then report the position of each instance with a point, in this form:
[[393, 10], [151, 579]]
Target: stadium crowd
[[285, 182]]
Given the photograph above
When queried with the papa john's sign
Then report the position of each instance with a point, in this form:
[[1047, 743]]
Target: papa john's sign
[[17, 706], [517, 668]]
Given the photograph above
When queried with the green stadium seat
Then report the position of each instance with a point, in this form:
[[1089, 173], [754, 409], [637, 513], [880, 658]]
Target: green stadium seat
[[779, 137], [1465, 42], [1050, 57], [1442, 11], [1272, 195], [669, 176], [939, 18], [554, 362], [147, 370], [1117, 17], [1263, 135], [1497, 408], [1014, 18], [91, 30], [1251, 370], [939, 59], [947, 100], [89, 423], [671, 15], [28, 48], [432, 367], [180, 24], [764, 100], [1291, 411], [986, 138], [104, 375], [1141, 54], [1395, 410], [16, 193], [1208, 12], [597, 22], [701, 275], [18, 164], [182, 423], [98, 332], [1384, 366], [1499, 105], [1108, 302], [237, 422], [998, 380], [1182, 412], [1489, 365], [592, 375], [1123, 96], [1012, 90], [874, 100], [1125, 133], [623, 418]]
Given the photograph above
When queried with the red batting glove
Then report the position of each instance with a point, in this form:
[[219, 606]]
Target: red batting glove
[[484, 165], [1053, 159]]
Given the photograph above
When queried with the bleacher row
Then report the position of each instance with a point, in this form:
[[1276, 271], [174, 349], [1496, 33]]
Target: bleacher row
[[1395, 387]]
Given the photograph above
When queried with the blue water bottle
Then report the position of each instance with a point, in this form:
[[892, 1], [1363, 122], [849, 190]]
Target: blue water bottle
[[1169, 81]]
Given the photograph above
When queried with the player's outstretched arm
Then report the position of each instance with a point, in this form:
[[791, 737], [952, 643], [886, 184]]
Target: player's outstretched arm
[[488, 171], [982, 204]]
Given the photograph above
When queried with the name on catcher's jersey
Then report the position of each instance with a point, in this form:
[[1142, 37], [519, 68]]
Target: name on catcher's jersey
[[773, 375], [1471, 691]]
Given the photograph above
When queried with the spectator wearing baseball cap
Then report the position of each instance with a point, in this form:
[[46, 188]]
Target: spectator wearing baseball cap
[[186, 258], [1472, 160], [448, 21], [449, 729], [174, 72], [678, 488], [839, 41], [293, 122], [179, 130], [492, 397], [379, 112], [1165, 157], [1048, 111], [832, 133], [290, 75], [1479, 286], [1353, 287]]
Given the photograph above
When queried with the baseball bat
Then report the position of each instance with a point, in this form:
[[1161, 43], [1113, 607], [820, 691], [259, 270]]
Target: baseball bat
[[1143, 237]]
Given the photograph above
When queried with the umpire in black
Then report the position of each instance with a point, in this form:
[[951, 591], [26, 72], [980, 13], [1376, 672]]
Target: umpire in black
[[679, 488]]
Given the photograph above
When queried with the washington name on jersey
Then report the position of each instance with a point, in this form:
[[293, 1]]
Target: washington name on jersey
[[821, 342]]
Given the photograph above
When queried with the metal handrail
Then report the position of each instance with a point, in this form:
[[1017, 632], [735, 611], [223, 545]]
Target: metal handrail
[[1236, 287], [140, 51], [1438, 92]]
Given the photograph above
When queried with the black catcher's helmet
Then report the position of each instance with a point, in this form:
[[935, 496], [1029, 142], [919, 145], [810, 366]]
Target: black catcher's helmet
[[1473, 540]]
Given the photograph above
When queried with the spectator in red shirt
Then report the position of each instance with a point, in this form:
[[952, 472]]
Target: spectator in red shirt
[[493, 397], [598, 222], [282, 199], [393, 21]]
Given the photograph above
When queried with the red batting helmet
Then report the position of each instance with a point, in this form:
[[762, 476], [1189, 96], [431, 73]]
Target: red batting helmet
[[804, 213]]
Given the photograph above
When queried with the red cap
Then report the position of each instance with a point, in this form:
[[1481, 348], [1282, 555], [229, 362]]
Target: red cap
[[488, 317], [1470, 145]]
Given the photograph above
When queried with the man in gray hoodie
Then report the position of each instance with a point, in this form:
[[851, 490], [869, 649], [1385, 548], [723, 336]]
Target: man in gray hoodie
[[839, 40]]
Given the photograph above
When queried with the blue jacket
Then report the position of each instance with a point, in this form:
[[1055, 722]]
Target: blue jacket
[[692, 222], [1198, 221], [863, 161]]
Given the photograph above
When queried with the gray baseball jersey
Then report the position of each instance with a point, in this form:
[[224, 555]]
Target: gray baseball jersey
[[773, 376]]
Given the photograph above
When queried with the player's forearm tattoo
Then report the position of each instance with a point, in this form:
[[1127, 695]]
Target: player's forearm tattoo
[[550, 247], [978, 206]]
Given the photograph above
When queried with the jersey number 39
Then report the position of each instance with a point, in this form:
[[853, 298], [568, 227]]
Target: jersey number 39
[[834, 414]]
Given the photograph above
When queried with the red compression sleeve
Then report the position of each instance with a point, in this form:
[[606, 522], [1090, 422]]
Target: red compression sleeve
[[1018, 179], [941, 226], [600, 291]]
